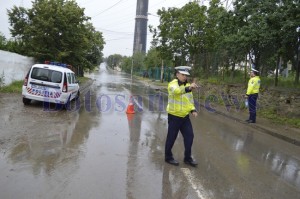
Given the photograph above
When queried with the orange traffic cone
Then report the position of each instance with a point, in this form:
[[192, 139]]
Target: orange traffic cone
[[130, 107], [130, 118]]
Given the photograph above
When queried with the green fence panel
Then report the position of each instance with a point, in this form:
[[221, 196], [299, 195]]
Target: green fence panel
[[167, 74], [155, 73]]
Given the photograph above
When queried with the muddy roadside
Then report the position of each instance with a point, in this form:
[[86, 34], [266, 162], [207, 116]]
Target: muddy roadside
[[19, 122]]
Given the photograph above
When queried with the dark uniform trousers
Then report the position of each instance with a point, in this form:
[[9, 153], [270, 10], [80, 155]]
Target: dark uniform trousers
[[252, 106], [183, 125]]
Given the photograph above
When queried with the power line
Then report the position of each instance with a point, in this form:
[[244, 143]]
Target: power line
[[114, 31], [108, 8], [120, 38]]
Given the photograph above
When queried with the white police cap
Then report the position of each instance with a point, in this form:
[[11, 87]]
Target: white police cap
[[183, 69]]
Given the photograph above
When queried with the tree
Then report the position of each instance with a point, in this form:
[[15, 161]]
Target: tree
[[16, 46], [210, 38], [94, 55], [267, 29], [126, 64], [152, 59], [191, 35], [114, 60], [138, 61], [213, 38], [180, 32], [292, 44], [2, 41], [12, 45], [57, 30]]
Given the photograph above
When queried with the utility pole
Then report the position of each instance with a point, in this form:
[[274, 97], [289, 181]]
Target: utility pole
[[131, 70], [140, 30], [162, 71], [298, 57]]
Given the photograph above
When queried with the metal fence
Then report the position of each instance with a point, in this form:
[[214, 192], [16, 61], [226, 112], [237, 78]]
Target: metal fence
[[154, 73]]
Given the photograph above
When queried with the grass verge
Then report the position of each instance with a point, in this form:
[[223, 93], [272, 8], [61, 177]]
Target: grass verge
[[279, 119], [82, 80], [14, 87]]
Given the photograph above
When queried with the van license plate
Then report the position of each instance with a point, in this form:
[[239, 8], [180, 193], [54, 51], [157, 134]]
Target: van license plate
[[38, 87]]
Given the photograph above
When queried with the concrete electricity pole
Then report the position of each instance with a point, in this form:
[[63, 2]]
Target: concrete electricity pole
[[140, 31]]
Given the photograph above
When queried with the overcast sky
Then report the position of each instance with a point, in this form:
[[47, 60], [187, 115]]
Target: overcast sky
[[114, 18]]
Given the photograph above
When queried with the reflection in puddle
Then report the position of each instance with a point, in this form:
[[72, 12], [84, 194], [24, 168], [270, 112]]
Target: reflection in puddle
[[287, 167], [284, 166], [54, 141]]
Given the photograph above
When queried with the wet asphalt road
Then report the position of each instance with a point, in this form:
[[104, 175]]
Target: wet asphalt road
[[95, 150]]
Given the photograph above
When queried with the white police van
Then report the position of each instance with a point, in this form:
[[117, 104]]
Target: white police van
[[50, 82]]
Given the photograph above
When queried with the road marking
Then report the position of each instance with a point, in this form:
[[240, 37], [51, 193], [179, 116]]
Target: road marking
[[196, 185]]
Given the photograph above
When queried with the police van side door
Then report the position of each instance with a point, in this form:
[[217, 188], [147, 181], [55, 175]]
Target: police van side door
[[71, 85]]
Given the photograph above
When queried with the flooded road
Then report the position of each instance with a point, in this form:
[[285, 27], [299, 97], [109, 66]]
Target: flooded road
[[95, 150]]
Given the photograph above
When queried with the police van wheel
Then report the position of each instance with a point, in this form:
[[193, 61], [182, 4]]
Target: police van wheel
[[26, 101], [78, 95], [60, 106]]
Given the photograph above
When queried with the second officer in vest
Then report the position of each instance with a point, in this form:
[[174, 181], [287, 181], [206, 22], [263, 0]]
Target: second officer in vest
[[180, 105], [252, 94]]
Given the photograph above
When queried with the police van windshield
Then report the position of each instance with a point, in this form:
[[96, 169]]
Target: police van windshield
[[46, 75]]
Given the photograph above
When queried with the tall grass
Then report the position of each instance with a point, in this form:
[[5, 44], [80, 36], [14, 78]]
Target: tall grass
[[14, 87], [282, 82]]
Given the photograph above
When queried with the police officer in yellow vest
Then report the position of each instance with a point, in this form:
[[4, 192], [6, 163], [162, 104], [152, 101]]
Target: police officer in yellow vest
[[252, 94], [180, 105]]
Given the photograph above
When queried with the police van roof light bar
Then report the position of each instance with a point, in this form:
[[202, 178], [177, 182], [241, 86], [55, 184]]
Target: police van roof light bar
[[56, 63]]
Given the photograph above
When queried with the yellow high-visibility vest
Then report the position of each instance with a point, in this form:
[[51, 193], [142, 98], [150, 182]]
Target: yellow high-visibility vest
[[253, 85], [180, 103]]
